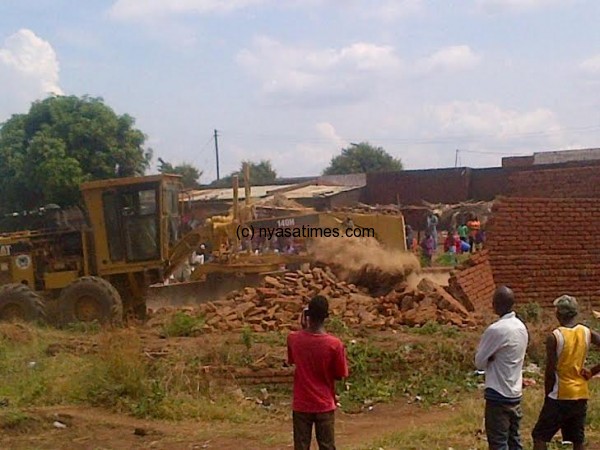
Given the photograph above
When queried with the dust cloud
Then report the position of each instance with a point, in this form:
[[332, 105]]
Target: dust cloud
[[365, 262], [354, 254]]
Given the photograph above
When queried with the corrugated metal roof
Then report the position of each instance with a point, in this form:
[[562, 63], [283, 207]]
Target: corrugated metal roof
[[351, 179], [224, 194], [317, 190], [301, 191]]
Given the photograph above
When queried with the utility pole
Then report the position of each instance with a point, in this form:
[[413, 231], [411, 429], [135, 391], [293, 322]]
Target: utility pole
[[217, 152], [456, 158]]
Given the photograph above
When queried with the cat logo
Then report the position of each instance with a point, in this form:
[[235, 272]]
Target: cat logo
[[23, 261]]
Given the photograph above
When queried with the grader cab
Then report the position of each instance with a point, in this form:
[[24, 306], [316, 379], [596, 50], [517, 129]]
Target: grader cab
[[97, 267]]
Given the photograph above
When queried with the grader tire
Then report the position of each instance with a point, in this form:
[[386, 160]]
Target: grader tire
[[19, 302], [90, 299]]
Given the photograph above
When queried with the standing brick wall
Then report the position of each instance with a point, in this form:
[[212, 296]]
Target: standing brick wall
[[411, 187], [474, 283], [545, 247], [573, 182], [486, 184]]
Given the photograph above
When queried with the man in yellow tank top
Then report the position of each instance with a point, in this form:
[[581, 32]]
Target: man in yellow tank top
[[566, 387]]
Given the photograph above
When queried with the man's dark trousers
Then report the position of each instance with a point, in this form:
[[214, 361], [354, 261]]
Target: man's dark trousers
[[324, 429], [502, 422]]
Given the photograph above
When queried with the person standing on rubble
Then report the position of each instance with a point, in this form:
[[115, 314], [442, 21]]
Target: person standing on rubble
[[463, 232], [410, 236], [500, 354], [432, 223], [474, 226], [566, 379], [428, 249], [320, 360]]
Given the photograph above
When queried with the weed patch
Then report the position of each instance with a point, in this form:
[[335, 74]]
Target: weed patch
[[432, 327], [530, 312], [15, 420], [181, 324], [84, 327], [247, 337], [432, 372], [337, 327]]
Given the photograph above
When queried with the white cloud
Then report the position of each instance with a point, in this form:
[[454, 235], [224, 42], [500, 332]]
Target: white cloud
[[388, 10], [481, 119], [305, 74], [591, 65], [449, 59], [501, 6], [29, 70], [151, 9], [328, 132], [136, 9]]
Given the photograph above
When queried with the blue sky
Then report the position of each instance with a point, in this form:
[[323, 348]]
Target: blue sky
[[294, 81]]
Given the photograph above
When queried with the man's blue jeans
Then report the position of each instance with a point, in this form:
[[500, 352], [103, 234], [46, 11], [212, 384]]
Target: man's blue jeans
[[502, 421]]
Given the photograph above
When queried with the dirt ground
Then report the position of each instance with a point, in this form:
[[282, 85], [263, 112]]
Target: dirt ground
[[91, 428]]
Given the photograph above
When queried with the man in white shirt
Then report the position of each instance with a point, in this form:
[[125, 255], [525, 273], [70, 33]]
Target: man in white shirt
[[501, 353]]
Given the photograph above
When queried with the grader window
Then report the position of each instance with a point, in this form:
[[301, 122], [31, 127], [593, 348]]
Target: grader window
[[113, 225], [140, 225], [171, 205], [132, 224]]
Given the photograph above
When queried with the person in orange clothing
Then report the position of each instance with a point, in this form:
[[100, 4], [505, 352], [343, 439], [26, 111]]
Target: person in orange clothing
[[474, 226]]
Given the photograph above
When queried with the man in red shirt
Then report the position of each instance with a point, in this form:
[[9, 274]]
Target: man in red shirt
[[320, 360]]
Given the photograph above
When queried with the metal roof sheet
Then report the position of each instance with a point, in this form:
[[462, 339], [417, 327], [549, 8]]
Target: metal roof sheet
[[224, 194], [291, 192]]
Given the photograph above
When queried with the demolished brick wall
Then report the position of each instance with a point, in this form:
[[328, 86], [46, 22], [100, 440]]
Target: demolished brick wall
[[575, 182], [544, 247], [473, 283], [278, 303]]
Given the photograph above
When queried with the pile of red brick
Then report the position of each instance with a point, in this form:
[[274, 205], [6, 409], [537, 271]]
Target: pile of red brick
[[278, 303]]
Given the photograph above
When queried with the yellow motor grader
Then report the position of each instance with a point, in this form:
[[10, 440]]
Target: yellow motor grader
[[96, 268], [242, 245], [99, 264]]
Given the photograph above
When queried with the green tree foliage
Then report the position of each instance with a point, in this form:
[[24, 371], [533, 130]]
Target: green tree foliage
[[190, 175], [61, 142], [261, 173], [362, 158]]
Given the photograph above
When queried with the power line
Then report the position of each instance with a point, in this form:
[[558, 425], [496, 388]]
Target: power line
[[201, 151], [490, 153], [414, 140]]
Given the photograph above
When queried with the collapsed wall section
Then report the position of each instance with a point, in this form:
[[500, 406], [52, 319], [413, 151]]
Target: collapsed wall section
[[473, 283], [545, 247]]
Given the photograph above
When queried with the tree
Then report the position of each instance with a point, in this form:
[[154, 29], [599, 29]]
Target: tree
[[61, 142], [261, 173], [362, 158], [190, 175]]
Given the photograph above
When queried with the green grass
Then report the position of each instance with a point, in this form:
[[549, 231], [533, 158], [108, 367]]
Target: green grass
[[530, 312], [463, 429], [116, 375], [430, 366], [84, 327], [14, 419], [435, 328], [447, 259], [182, 324], [436, 370]]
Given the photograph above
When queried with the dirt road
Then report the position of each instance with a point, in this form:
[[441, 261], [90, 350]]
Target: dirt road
[[89, 428]]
